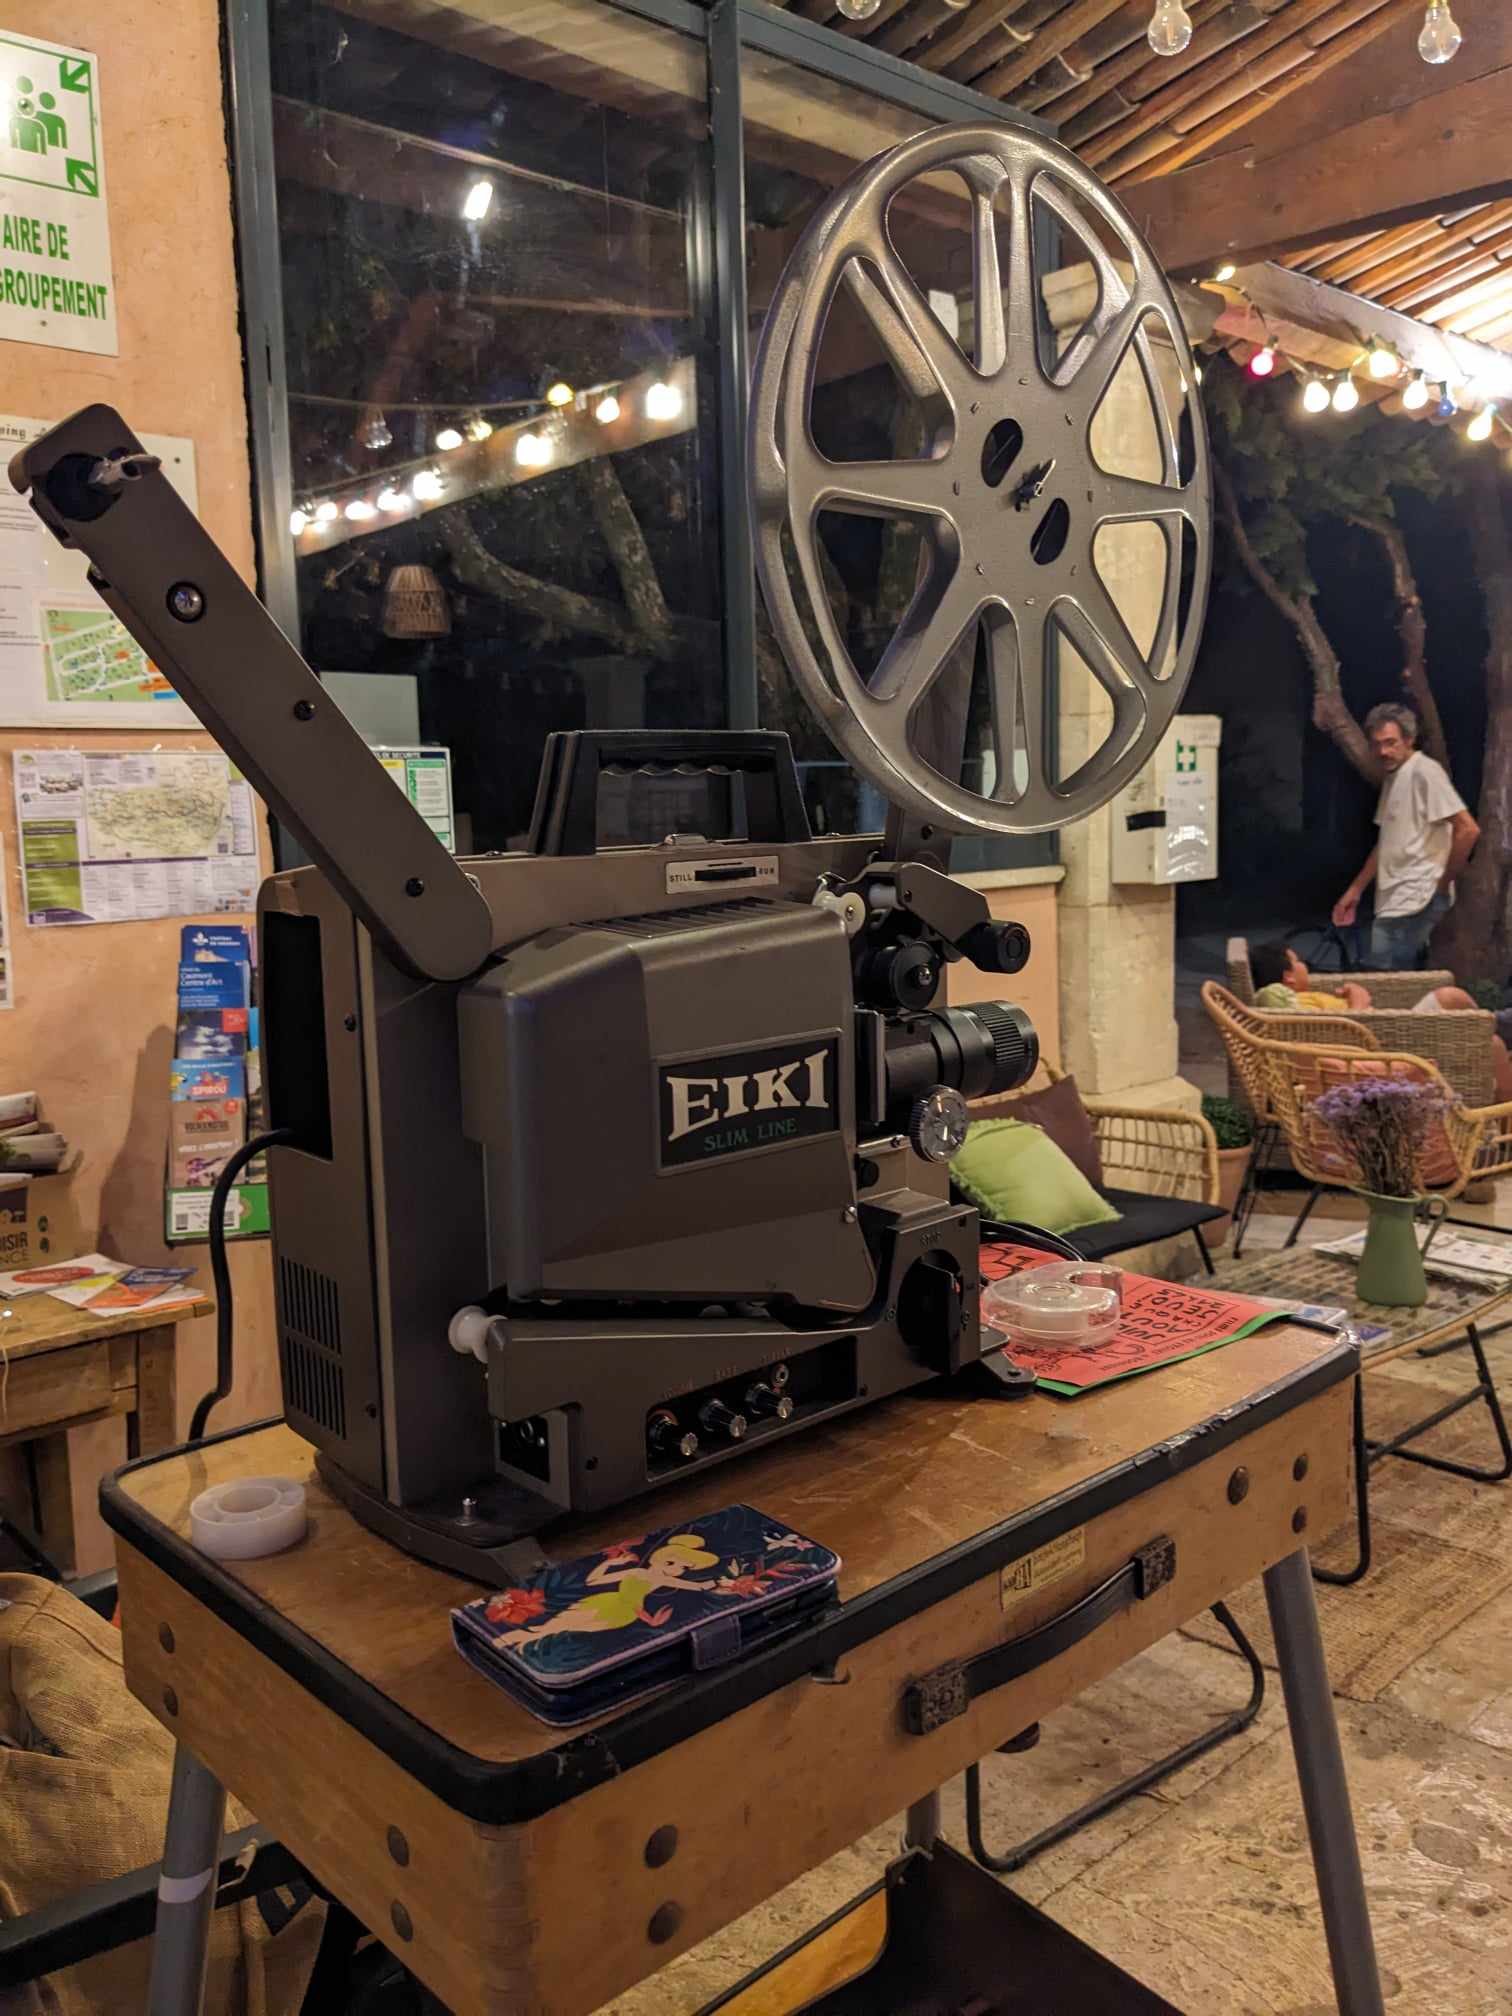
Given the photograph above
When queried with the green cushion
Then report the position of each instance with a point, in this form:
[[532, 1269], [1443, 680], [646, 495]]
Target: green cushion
[[1010, 1169]]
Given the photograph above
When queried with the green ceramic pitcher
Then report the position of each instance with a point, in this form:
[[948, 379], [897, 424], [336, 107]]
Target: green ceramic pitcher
[[1391, 1267]]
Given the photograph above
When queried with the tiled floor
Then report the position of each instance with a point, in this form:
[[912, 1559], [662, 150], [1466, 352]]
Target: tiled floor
[[1203, 1888]]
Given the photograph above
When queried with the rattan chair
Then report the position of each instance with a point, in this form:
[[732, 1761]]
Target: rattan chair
[[1160, 1172], [1457, 1040], [1245, 1033]]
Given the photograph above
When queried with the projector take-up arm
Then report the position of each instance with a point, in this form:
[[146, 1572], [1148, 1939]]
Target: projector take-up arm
[[96, 488]]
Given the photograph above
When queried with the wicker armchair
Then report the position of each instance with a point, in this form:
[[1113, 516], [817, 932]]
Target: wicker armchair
[[1457, 1041], [1246, 1030], [1467, 1145]]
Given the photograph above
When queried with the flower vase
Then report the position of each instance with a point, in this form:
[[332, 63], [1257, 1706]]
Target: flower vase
[[1391, 1267]]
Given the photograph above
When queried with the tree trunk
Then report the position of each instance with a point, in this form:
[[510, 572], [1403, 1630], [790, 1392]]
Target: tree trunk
[[1330, 710], [1412, 628], [1475, 939]]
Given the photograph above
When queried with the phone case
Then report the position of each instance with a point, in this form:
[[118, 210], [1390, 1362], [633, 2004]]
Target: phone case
[[614, 1626]]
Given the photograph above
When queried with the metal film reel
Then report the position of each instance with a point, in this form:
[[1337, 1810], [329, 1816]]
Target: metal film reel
[[986, 566]]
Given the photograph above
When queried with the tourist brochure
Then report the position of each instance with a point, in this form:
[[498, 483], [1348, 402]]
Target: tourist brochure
[[102, 1286], [1450, 1253]]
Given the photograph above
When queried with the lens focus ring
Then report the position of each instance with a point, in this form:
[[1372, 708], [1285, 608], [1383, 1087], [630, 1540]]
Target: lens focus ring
[[1015, 1046]]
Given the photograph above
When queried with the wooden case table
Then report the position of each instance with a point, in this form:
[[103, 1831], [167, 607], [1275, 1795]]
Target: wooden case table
[[516, 1867]]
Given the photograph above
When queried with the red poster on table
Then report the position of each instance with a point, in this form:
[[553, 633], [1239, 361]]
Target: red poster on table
[[1162, 1321]]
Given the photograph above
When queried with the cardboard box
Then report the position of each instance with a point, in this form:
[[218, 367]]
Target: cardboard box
[[203, 1134], [38, 1221], [186, 1216]]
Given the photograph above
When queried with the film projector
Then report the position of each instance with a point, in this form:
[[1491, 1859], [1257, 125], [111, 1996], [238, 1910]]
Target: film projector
[[604, 1163]]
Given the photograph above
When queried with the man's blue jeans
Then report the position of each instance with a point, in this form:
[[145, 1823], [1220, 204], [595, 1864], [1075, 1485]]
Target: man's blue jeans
[[1397, 944]]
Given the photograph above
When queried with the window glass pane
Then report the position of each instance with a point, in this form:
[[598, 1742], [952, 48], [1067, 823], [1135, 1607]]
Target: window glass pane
[[804, 136], [499, 375]]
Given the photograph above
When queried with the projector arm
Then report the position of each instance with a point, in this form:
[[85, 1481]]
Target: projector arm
[[94, 486]]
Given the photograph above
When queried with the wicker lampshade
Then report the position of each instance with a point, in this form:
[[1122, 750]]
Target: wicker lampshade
[[415, 604]]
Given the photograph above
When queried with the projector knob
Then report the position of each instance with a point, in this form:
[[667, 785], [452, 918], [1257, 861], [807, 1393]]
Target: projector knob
[[764, 1399], [717, 1419], [938, 1123], [668, 1437]]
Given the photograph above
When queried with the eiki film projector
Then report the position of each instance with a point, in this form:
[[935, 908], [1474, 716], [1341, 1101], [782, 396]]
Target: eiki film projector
[[602, 1164]]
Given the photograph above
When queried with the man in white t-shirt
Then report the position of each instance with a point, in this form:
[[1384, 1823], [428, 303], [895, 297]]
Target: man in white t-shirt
[[1427, 836]]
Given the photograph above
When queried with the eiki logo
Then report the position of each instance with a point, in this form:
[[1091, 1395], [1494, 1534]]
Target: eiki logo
[[751, 1099], [697, 1101]]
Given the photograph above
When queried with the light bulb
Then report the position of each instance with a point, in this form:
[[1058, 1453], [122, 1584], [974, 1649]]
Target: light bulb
[[448, 438], [607, 409], [1346, 396], [325, 512], [1170, 28], [957, 6], [559, 394], [390, 499], [479, 429], [1315, 396], [1447, 405], [1416, 395], [1440, 38], [1198, 369], [663, 401], [359, 509], [475, 203], [857, 10], [298, 521], [1263, 362], [1480, 427], [1381, 363], [427, 485], [532, 451], [1226, 271], [376, 432]]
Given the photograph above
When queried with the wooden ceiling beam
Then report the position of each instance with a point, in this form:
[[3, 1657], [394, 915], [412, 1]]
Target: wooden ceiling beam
[[1430, 253], [1447, 150], [1412, 296], [1376, 246]]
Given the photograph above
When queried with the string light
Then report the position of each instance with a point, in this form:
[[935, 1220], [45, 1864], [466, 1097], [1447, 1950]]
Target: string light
[[1170, 28], [532, 451], [479, 429], [376, 432], [390, 499], [559, 394], [1315, 396], [857, 10], [1447, 406], [607, 409], [1480, 427], [448, 439], [663, 401], [1440, 38], [1381, 363], [298, 520], [1263, 362], [475, 204], [1415, 398], [427, 485], [1346, 395], [1225, 272], [359, 510], [325, 512]]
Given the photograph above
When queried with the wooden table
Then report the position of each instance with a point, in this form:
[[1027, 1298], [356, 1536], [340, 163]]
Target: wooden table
[[64, 1368], [1449, 1319], [515, 1867]]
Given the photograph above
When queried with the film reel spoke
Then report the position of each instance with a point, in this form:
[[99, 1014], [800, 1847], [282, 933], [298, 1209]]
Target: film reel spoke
[[935, 623], [925, 330], [880, 489], [905, 356]]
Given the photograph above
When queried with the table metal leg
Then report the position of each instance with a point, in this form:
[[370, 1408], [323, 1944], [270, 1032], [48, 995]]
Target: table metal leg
[[1325, 1790], [186, 1888], [922, 1824]]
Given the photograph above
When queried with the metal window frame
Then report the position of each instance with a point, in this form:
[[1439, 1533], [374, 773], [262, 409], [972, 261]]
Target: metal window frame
[[717, 273]]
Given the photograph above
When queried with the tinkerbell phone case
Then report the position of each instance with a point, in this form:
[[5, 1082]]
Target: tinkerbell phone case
[[610, 1627]]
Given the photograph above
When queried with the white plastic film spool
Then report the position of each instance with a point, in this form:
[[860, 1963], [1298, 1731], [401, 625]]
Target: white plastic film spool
[[247, 1518]]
